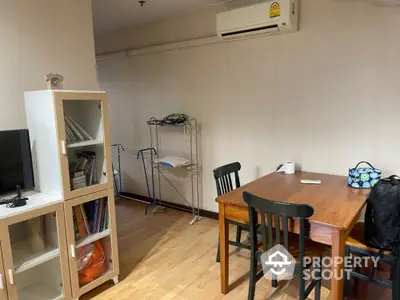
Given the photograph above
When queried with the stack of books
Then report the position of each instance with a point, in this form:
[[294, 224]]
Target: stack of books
[[75, 133], [83, 171], [90, 218], [78, 180]]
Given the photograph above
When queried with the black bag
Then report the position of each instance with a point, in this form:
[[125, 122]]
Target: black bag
[[382, 225], [382, 218], [395, 273]]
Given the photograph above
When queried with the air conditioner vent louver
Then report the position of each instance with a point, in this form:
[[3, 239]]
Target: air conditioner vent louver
[[269, 28]]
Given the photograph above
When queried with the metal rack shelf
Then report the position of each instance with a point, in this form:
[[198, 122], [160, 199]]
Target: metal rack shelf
[[191, 131]]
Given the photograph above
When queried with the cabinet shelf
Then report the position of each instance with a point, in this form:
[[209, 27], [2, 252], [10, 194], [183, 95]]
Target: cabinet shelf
[[57, 150], [84, 143], [41, 292], [92, 238], [25, 259], [44, 268]]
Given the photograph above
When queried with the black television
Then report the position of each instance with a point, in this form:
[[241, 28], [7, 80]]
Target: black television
[[15, 161]]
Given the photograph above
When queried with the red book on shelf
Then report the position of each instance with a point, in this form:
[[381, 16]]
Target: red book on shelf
[[85, 220], [80, 222]]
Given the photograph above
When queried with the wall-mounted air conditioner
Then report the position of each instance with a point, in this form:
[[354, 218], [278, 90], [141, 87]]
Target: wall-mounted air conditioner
[[271, 17]]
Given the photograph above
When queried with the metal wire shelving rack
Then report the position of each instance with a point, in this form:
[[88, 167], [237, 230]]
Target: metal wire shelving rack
[[190, 130]]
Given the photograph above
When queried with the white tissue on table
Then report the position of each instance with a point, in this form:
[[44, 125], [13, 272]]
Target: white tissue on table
[[288, 167]]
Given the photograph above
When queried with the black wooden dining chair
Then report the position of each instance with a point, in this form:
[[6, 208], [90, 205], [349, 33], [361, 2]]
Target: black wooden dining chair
[[298, 246], [358, 246], [223, 180]]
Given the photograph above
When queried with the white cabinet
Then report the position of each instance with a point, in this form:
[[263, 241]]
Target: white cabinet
[[69, 135], [71, 153], [35, 255]]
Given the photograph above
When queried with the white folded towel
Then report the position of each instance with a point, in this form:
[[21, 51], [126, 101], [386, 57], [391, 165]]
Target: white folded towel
[[173, 161]]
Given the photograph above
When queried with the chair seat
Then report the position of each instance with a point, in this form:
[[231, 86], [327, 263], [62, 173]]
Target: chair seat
[[311, 248], [356, 239], [241, 225]]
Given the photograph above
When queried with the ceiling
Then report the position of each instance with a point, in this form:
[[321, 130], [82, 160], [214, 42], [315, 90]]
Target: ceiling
[[110, 15]]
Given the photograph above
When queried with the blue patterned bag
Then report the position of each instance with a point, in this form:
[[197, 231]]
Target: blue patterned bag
[[364, 178]]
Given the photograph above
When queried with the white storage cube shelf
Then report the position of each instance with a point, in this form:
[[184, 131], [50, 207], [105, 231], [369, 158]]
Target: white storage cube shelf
[[35, 250], [99, 167], [94, 216], [62, 126], [42, 282], [88, 115], [34, 242]]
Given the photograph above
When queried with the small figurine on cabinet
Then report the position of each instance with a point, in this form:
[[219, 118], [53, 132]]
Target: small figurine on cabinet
[[54, 81]]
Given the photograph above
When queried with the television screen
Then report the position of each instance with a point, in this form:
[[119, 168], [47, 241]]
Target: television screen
[[15, 161]]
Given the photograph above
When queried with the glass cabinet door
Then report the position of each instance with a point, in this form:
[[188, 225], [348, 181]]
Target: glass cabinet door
[[3, 287], [92, 240], [84, 139], [35, 259]]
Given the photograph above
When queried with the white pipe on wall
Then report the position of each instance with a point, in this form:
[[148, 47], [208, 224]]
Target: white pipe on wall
[[174, 46], [161, 48], [111, 55]]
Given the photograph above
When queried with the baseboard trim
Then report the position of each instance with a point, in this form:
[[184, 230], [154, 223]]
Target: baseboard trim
[[180, 207]]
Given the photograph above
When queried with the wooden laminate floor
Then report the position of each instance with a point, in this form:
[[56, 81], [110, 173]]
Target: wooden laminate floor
[[163, 257]]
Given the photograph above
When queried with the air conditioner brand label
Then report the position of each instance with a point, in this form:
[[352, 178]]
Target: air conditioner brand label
[[275, 10]]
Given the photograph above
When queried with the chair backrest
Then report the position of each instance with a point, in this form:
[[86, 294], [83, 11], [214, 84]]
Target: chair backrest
[[277, 214], [223, 179]]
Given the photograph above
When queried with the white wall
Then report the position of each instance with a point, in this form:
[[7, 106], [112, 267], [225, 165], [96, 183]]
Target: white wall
[[38, 37], [325, 97]]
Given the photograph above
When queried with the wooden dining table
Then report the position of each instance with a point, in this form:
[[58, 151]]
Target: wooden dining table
[[337, 207]]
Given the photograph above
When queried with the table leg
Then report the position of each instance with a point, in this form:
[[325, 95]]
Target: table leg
[[338, 250], [224, 249]]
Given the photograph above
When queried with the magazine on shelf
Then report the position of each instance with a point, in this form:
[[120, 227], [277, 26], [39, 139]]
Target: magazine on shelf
[[70, 135], [79, 221], [85, 220], [91, 218], [83, 170], [85, 135], [74, 131]]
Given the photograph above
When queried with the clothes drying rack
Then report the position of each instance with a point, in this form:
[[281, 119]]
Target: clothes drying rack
[[190, 130], [151, 191]]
